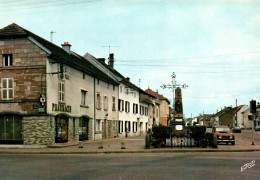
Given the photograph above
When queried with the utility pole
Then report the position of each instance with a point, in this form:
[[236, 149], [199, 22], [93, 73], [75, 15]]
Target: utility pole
[[203, 118], [236, 113], [253, 111], [52, 32], [173, 86]]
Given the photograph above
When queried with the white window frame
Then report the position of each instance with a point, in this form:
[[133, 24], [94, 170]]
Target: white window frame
[[120, 127], [9, 90], [121, 105], [9, 60], [83, 97], [61, 89]]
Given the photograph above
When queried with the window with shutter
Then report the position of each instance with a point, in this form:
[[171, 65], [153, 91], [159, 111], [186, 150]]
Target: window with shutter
[[119, 105], [114, 103], [98, 101]]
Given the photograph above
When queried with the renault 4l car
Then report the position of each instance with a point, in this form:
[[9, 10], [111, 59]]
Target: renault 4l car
[[224, 135]]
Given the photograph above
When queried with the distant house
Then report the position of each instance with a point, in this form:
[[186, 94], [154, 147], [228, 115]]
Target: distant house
[[258, 114], [224, 117], [194, 121], [238, 116], [204, 119], [247, 124], [163, 110]]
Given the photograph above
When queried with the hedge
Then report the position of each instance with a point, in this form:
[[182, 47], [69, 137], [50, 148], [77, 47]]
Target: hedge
[[196, 132], [162, 132]]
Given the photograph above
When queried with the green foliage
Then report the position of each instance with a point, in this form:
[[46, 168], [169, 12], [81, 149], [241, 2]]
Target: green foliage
[[157, 143], [196, 132], [162, 132]]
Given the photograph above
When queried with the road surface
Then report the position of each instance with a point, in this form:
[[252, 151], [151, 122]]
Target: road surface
[[211, 165]]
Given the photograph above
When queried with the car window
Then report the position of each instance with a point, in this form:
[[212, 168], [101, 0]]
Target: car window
[[222, 129]]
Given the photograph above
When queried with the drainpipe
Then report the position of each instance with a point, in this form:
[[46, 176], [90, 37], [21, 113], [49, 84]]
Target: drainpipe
[[118, 111], [94, 109]]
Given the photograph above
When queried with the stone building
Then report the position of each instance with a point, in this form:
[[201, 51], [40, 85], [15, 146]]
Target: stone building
[[161, 107], [224, 117], [50, 94]]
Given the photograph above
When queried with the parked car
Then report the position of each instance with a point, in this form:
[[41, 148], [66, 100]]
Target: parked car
[[257, 128], [236, 129], [224, 134]]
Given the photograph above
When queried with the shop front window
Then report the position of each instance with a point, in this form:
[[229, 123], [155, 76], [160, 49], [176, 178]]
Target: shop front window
[[61, 132], [83, 128], [11, 129]]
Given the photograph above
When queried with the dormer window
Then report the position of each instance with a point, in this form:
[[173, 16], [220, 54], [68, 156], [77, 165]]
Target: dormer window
[[7, 60]]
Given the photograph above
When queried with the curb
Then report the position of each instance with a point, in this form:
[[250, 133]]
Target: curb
[[137, 151]]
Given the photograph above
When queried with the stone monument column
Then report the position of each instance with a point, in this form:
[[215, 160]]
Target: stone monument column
[[178, 121]]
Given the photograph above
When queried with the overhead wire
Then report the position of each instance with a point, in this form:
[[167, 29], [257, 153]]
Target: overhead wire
[[38, 2], [52, 5]]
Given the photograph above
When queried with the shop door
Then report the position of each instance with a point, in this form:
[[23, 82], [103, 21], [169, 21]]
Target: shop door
[[83, 128], [11, 129], [61, 129]]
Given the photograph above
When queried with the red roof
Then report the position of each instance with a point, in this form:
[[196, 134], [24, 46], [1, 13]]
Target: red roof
[[238, 108], [160, 96]]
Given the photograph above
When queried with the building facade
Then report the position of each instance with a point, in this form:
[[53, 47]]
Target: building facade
[[161, 108], [50, 94], [132, 113]]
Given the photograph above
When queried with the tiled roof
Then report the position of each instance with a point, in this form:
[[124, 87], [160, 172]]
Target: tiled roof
[[238, 108], [225, 110], [116, 73], [149, 91], [12, 30], [57, 53]]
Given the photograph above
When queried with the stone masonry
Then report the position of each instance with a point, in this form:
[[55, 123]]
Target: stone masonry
[[38, 130]]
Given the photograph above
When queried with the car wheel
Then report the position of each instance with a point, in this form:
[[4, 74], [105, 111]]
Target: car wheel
[[226, 143]]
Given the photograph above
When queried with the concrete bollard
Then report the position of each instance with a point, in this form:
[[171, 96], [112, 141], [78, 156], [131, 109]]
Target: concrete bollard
[[100, 146], [80, 144], [123, 145]]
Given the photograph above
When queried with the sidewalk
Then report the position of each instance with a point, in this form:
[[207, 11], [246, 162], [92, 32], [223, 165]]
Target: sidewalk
[[133, 145]]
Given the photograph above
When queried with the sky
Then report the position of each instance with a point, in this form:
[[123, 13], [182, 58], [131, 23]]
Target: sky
[[212, 46]]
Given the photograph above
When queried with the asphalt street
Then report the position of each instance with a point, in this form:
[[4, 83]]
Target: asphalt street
[[207, 165]]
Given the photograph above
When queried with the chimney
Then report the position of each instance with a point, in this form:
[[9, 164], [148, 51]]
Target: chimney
[[102, 60], [127, 78], [157, 94], [66, 47], [111, 60]]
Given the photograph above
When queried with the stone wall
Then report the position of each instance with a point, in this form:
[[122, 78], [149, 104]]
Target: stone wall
[[90, 129], [38, 130], [73, 131], [29, 63], [111, 129]]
